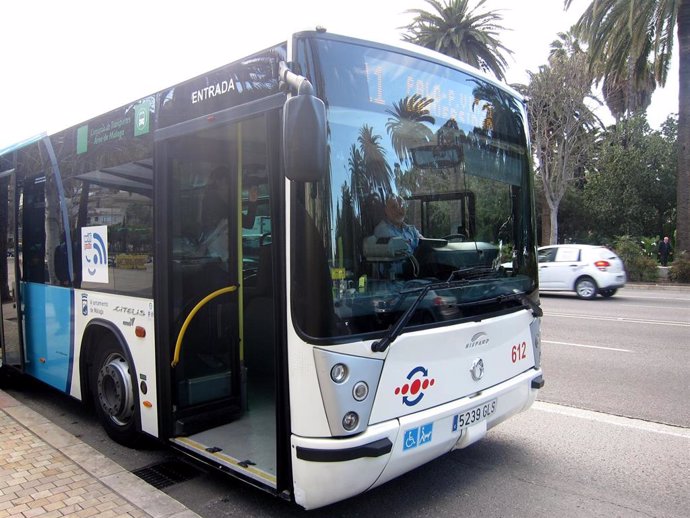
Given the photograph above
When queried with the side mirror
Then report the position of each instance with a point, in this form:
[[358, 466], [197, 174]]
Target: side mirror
[[304, 138]]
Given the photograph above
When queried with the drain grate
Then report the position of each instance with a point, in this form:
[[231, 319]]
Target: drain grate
[[167, 473]]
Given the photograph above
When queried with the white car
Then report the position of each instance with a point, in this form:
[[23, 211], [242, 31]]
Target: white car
[[585, 269]]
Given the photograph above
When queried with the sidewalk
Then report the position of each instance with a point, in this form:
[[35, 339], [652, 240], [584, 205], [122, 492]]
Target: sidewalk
[[46, 472], [667, 286]]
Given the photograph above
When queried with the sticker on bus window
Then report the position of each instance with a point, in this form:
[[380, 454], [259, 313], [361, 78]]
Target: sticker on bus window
[[94, 254]]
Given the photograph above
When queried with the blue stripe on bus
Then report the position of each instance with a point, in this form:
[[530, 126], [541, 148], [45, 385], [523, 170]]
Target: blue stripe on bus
[[71, 341], [48, 319]]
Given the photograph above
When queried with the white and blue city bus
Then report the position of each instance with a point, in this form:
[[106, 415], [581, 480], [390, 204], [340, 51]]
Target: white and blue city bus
[[204, 266]]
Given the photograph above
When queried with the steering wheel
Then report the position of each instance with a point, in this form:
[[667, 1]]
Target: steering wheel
[[455, 237]]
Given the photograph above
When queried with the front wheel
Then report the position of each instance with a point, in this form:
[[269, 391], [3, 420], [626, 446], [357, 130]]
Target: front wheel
[[586, 288], [112, 388]]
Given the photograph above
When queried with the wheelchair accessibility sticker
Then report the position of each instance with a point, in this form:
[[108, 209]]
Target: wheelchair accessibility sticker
[[417, 436]]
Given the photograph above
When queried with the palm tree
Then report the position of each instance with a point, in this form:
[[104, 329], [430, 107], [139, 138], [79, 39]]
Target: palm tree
[[624, 37], [376, 169], [623, 97], [360, 185], [406, 126], [458, 31]]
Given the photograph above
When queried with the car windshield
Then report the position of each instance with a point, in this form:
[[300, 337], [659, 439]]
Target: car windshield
[[429, 182]]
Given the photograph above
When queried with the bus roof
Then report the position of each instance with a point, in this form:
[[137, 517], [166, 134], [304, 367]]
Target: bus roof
[[22, 143]]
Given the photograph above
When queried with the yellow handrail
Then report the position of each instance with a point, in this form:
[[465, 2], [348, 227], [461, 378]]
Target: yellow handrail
[[194, 311]]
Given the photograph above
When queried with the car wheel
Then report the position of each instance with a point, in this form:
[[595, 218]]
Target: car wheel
[[113, 391], [586, 288], [609, 292]]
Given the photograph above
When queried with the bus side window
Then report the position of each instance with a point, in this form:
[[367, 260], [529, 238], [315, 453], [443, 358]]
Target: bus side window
[[34, 235], [121, 200]]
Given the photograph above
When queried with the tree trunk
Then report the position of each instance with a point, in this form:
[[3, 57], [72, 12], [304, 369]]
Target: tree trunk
[[545, 213], [683, 186], [553, 235]]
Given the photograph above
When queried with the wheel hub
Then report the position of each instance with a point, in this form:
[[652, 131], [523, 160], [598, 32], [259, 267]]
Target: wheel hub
[[115, 391]]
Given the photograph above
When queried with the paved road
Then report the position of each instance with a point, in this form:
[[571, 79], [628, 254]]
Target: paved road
[[628, 355], [575, 453]]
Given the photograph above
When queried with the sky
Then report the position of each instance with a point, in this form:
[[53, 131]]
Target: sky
[[65, 61]]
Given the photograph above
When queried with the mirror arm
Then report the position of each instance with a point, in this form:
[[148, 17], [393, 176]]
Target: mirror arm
[[289, 79]]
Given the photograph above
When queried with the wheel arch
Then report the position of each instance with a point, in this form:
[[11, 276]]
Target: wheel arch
[[584, 276], [94, 333]]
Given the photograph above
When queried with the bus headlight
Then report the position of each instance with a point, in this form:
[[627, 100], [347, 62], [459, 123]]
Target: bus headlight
[[350, 421], [347, 383], [339, 373], [360, 391]]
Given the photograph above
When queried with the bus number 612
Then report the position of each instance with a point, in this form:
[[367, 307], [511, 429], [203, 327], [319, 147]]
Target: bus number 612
[[519, 352]]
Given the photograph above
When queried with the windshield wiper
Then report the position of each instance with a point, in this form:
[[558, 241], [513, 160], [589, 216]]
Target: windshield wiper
[[473, 272], [393, 332], [527, 302]]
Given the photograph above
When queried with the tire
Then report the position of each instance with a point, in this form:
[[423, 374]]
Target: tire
[[113, 392], [609, 292], [586, 288], [8, 377]]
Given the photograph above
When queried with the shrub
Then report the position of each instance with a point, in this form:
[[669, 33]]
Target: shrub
[[645, 269], [650, 246], [679, 271], [639, 267]]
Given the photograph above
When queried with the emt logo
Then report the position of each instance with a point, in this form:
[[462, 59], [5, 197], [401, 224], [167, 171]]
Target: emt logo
[[417, 382]]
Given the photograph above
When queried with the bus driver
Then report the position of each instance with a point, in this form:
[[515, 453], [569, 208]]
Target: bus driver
[[393, 224]]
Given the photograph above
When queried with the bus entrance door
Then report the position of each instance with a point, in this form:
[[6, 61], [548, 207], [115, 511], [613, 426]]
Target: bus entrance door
[[12, 351], [220, 297]]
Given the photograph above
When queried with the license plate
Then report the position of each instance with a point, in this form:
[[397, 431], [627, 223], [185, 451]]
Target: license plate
[[474, 415]]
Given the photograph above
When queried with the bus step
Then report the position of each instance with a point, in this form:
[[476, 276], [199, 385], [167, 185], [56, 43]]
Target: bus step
[[208, 418]]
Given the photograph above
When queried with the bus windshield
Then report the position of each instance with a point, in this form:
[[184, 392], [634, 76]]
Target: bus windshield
[[429, 183]]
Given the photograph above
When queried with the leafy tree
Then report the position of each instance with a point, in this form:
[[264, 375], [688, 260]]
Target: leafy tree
[[562, 126], [625, 36], [458, 31], [574, 221], [632, 189]]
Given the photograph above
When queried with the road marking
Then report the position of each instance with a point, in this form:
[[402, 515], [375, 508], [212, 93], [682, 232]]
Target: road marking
[[665, 308], [621, 319], [661, 297], [601, 417], [588, 346]]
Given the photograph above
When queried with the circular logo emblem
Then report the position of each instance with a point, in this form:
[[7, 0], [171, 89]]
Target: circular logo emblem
[[477, 369]]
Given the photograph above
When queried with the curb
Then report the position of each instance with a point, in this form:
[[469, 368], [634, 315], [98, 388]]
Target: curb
[[128, 486], [657, 286]]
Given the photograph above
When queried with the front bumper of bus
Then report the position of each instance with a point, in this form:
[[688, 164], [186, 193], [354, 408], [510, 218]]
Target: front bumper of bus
[[329, 470]]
